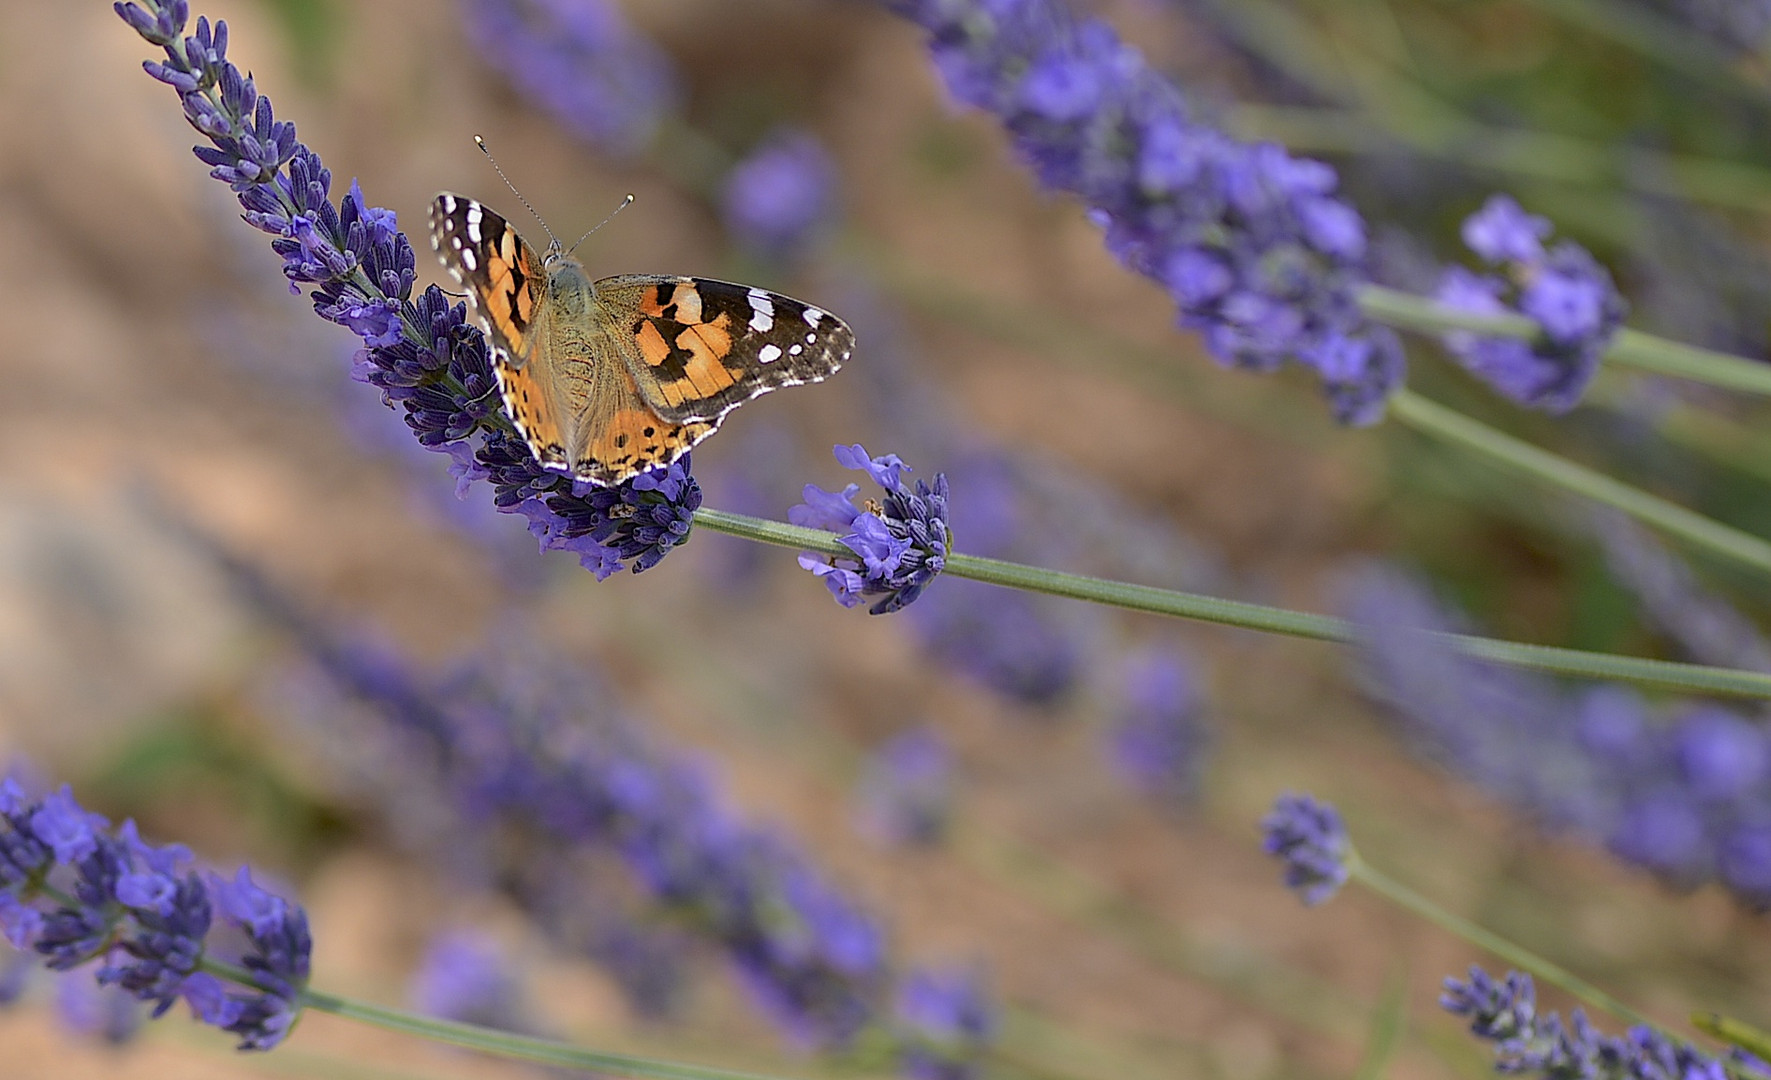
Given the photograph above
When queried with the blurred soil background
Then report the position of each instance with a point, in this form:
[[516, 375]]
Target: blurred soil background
[[157, 366]]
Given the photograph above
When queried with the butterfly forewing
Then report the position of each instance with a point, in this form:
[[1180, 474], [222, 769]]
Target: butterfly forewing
[[698, 348]]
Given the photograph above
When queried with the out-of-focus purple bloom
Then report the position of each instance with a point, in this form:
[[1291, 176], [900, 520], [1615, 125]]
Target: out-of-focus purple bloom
[[1564, 289], [777, 199], [435, 369], [1738, 25], [1001, 638], [1686, 795], [1528, 1043], [77, 892], [467, 977], [581, 62], [946, 1025], [1704, 624], [1159, 741], [1311, 840], [906, 791], [15, 974], [511, 745], [96, 1011], [900, 543], [1258, 253]]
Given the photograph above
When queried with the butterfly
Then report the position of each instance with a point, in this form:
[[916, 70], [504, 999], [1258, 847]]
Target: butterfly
[[605, 379]]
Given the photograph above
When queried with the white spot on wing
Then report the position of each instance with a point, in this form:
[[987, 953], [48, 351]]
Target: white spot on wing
[[762, 312], [449, 203], [796, 350], [474, 215], [813, 316], [769, 354], [468, 260]]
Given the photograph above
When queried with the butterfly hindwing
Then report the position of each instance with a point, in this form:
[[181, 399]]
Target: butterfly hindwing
[[698, 348]]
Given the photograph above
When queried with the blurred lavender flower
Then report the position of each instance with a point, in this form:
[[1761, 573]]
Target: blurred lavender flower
[[906, 790], [15, 973], [999, 638], [465, 976], [1159, 740], [946, 1024], [1738, 25], [1563, 288], [1505, 1013], [1687, 796], [900, 544], [73, 890], [1309, 837], [96, 1011], [776, 199], [514, 764], [1252, 244], [419, 352], [1706, 626], [581, 62]]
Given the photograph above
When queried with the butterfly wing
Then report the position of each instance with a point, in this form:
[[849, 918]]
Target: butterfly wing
[[506, 281], [698, 348]]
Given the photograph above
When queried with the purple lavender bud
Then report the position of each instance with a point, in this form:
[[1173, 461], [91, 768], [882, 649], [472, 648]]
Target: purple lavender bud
[[898, 549], [1091, 117], [906, 790], [1159, 741], [1722, 756], [1309, 838], [581, 62], [1502, 232], [1526, 1043], [1564, 290], [946, 1025], [776, 199], [137, 910], [467, 977]]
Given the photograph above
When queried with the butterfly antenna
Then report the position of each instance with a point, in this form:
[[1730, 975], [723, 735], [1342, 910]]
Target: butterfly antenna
[[625, 203], [554, 241]]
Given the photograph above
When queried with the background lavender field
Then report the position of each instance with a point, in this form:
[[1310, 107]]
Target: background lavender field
[[1081, 834]]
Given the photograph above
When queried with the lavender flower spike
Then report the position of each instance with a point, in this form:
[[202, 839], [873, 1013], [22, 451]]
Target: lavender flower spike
[[1563, 288], [1309, 837], [899, 543], [1525, 1043], [1252, 244], [419, 350], [776, 199], [75, 891]]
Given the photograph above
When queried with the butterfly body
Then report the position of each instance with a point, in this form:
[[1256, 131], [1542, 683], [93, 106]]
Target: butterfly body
[[606, 378]]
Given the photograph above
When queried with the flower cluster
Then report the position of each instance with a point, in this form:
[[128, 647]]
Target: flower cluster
[[582, 62], [906, 790], [512, 754], [1686, 796], [1310, 839], [1253, 245], [776, 199], [1159, 740], [419, 351], [75, 891], [946, 1025], [1505, 1013], [899, 543], [1563, 289]]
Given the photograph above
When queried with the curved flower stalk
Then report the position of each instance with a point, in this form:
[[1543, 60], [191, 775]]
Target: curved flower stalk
[[418, 350], [76, 891], [1563, 289], [1258, 253]]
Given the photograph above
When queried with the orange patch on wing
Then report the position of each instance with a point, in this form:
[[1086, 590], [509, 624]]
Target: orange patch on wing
[[703, 376], [652, 344], [524, 404], [654, 300]]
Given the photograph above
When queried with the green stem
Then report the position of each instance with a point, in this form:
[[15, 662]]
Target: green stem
[[1662, 674], [1436, 420], [1514, 954], [1630, 348], [508, 1045]]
